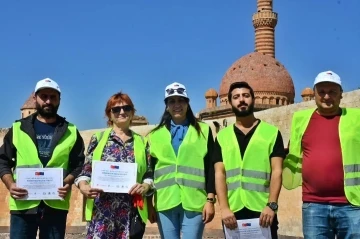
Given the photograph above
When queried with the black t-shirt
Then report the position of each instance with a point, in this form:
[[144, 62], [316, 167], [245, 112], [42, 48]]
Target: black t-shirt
[[44, 134], [243, 141]]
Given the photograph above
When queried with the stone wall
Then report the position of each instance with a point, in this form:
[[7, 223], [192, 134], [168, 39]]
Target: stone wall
[[289, 202]]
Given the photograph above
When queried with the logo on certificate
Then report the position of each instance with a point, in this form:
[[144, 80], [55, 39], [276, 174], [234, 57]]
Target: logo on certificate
[[248, 224], [114, 167], [39, 173]]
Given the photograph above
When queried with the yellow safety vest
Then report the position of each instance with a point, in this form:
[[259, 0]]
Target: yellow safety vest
[[349, 128], [180, 179], [248, 179], [27, 157], [140, 159]]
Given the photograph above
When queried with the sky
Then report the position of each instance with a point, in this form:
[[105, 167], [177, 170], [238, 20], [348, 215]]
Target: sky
[[94, 49]]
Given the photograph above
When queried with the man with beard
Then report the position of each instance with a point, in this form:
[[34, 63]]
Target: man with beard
[[43, 139], [324, 158], [248, 158]]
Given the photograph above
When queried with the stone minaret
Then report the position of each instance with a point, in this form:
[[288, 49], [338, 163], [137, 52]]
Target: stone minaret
[[264, 22]]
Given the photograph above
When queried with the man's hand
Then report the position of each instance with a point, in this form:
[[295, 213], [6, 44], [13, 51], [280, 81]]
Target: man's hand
[[140, 189], [228, 219], [63, 191], [208, 212], [266, 217], [89, 192], [17, 193]]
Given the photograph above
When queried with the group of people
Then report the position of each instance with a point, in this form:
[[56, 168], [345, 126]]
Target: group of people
[[182, 170]]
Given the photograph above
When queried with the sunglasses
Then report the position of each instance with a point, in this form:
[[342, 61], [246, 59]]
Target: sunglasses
[[178, 90], [125, 108]]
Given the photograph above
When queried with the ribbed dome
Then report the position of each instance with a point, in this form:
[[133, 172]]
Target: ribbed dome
[[307, 91], [211, 93], [263, 73]]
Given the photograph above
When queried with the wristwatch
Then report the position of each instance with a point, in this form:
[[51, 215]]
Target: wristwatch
[[212, 200], [273, 205]]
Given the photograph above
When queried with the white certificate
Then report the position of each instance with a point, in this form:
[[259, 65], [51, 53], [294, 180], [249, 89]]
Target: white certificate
[[248, 229], [113, 177], [41, 183]]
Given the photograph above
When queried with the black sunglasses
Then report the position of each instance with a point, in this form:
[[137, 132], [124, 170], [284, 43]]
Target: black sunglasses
[[125, 108], [172, 91]]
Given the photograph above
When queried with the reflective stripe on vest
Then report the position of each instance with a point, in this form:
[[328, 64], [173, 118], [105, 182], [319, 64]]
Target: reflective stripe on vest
[[180, 179], [27, 157], [349, 128], [140, 159], [248, 179], [248, 186]]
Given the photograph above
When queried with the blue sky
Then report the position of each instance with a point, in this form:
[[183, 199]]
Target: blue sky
[[94, 49]]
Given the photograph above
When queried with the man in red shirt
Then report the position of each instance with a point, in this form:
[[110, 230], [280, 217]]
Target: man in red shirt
[[324, 154]]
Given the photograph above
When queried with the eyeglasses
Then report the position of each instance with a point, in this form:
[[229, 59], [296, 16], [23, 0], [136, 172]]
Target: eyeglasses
[[172, 91], [125, 108]]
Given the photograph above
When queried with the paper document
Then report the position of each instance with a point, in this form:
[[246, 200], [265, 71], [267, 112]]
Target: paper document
[[114, 177], [41, 183], [248, 229]]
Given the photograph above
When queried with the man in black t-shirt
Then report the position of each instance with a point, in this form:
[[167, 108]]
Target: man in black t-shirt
[[248, 158], [58, 144]]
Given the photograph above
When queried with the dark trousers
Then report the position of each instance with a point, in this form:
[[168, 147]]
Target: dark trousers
[[248, 214], [51, 225]]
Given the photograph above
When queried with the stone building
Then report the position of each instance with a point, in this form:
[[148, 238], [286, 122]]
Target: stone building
[[307, 94], [139, 120], [29, 107], [272, 84]]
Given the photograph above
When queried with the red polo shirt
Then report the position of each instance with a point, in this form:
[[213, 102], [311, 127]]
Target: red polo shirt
[[323, 174]]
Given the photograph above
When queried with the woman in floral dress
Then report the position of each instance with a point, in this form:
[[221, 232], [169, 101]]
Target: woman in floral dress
[[110, 213]]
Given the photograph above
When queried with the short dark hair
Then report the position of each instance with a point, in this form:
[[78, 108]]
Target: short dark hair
[[240, 84]]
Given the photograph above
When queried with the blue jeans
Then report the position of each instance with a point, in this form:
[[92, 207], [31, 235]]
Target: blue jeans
[[173, 221], [51, 225], [324, 221]]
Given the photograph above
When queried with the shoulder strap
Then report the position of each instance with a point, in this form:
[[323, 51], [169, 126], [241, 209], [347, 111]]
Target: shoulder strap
[[99, 135]]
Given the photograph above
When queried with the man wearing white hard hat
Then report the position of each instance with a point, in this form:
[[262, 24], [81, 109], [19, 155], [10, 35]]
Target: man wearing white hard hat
[[324, 158], [41, 140]]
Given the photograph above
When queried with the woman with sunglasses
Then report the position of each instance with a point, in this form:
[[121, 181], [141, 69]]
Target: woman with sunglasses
[[184, 178], [113, 215]]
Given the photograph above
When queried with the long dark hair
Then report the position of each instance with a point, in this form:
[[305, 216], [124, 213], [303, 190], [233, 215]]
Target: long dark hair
[[166, 118]]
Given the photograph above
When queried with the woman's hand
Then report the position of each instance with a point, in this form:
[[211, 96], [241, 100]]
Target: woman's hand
[[140, 189], [208, 212], [89, 192]]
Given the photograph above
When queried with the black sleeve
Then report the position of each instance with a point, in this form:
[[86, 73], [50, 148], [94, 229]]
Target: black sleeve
[[77, 157], [209, 166], [217, 155], [7, 153], [150, 166], [278, 149], [287, 148]]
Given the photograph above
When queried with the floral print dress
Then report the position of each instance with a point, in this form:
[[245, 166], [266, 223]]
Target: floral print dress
[[111, 212]]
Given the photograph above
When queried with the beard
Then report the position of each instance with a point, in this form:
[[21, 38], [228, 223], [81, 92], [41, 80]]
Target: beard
[[243, 113], [47, 111]]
